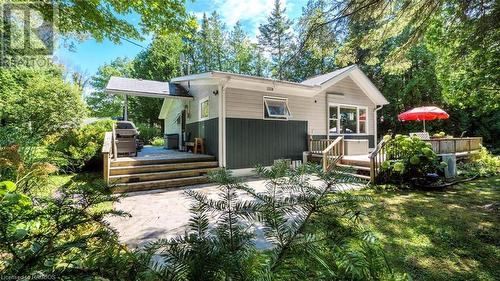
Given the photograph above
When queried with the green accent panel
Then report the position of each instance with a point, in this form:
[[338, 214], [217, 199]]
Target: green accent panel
[[255, 141], [209, 131]]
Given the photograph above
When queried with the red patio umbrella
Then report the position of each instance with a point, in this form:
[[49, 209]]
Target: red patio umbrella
[[423, 113]]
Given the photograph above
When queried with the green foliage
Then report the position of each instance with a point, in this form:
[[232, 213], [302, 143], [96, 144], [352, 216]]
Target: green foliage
[[275, 36], [157, 141], [288, 211], [77, 147], [61, 235], [101, 103], [483, 164], [147, 133], [24, 171], [38, 101], [105, 19], [407, 158]]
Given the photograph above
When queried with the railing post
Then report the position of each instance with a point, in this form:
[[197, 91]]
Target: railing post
[[107, 147], [325, 162], [106, 162], [372, 170]]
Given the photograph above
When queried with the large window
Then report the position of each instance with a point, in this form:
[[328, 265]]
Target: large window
[[204, 108], [276, 108], [345, 119]]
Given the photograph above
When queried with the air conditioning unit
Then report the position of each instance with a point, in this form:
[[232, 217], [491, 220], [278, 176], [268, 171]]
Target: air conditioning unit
[[451, 170]]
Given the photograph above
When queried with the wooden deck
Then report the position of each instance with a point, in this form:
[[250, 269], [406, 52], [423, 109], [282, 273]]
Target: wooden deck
[[154, 168], [157, 152], [458, 146], [326, 152]]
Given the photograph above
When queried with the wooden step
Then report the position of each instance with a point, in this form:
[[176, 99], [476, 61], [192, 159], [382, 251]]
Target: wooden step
[[131, 178], [353, 162], [158, 184], [126, 170], [357, 168], [141, 161]]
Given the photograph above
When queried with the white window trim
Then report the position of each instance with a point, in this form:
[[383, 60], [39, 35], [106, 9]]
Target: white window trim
[[273, 116], [205, 99], [339, 105]]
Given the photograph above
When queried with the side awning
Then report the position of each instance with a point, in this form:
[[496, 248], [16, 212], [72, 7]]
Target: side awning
[[146, 88]]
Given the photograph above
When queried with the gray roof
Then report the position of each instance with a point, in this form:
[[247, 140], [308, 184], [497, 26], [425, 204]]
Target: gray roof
[[321, 79], [145, 88]]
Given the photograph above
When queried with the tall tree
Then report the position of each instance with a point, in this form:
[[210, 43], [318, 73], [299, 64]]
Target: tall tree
[[161, 62], [217, 40], [241, 50], [39, 101], [318, 54], [101, 103], [276, 37], [103, 19]]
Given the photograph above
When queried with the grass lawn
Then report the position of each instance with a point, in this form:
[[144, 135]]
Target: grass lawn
[[441, 235]]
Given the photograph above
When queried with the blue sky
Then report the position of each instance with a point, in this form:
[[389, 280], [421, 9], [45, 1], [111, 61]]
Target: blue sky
[[89, 55]]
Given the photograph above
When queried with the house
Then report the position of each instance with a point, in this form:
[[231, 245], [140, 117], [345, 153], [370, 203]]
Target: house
[[246, 120]]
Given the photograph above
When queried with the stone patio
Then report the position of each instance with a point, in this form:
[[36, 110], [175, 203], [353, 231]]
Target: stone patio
[[164, 213]]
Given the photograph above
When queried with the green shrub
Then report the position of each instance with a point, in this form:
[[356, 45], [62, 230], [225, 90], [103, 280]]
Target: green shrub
[[483, 164], [407, 158], [147, 134], [64, 236], [78, 147], [158, 141]]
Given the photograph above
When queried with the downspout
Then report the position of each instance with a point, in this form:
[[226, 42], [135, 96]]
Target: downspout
[[222, 122], [376, 122]]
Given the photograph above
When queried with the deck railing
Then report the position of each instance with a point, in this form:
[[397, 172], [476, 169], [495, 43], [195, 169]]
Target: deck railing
[[456, 145], [107, 153], [377, 157], [333, 153], [317, 146]]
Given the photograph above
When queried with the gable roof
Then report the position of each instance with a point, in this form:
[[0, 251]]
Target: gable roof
[[145, 88], [356, 74], [321, 79]]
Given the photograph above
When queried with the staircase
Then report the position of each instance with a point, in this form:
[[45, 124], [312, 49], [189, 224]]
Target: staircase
[[330, 154], [137, 174], [355, 167]]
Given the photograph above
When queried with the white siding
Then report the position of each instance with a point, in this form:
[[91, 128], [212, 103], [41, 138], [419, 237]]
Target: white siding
[[171, 124], [249, 104], [200, 92]]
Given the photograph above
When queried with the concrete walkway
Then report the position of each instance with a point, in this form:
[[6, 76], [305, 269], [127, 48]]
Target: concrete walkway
[[164, 213]]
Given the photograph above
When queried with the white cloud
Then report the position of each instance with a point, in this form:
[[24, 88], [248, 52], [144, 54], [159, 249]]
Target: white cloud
[[253, 11]]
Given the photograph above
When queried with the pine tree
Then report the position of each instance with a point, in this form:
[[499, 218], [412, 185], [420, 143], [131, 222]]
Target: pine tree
[[217, 41], [276, 37], [241, 51]]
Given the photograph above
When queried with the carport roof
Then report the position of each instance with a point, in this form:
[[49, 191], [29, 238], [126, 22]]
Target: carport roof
[[145, 88]]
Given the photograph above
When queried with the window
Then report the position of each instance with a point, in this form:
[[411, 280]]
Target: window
[[204, 108], [276, 108], [333, 118], [346, 119]]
